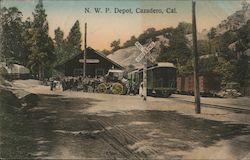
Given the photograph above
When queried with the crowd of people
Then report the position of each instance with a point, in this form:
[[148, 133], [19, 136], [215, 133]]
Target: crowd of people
[[75, 83], [86, 84]]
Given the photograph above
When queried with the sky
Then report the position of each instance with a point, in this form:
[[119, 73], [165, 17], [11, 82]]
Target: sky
[[103, 28]]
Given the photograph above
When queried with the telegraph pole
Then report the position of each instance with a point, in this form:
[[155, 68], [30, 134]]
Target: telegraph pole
[[195, 59], [85, 51], [145, 65], [1, 34]]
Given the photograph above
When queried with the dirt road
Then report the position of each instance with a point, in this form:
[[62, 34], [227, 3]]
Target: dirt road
[[67, 127]]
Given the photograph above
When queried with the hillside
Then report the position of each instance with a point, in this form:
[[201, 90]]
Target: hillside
[[126, 56], [234, 22]]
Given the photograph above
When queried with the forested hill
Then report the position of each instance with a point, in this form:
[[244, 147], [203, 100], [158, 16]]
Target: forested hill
[[236, 20], [223, 50]]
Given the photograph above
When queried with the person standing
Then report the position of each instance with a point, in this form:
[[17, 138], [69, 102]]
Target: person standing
[[51, 84], [63, 84], [141, 93]]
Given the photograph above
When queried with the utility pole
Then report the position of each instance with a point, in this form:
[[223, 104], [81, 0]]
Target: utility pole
[[2, 57], [195, 59], [145, 67], [85, 51]]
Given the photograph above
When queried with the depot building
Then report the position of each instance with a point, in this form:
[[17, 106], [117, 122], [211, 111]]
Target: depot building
[[97, 64]]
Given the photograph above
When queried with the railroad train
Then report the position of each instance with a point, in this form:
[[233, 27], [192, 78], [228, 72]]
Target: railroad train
[[161, 79], [209, 83]]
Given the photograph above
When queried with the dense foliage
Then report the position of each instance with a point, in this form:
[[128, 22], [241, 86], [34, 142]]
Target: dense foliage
[[226, 55], [70, 46], [27, 42]]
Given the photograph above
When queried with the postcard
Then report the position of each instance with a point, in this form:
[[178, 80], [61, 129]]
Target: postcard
[[125, 79]]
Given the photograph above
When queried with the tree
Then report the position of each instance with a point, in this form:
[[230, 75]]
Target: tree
[[12, 46], [242, 45], [245, 5], [186, 69], [167, 32], [42, 55], [130, 42], [27, 36], [185, 27], [75, 36], [59, 37], [106, 52], [147, 35], [178, 51], [115, 45], [211, 35], [227, 70], [178, 48], [73, 41], [203, 47], [59, 45], [208, 65], [243, 35], [243, 71]]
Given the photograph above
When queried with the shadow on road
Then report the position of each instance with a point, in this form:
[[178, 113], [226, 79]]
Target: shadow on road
[[56, 128], [28, 133]]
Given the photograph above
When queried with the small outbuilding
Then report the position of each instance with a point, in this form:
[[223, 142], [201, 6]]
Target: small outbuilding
[[97, 64]]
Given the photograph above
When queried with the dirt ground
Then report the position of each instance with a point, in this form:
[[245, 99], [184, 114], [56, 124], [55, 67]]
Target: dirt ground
[[76, 125]]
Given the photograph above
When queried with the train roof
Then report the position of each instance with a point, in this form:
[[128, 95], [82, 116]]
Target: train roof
[[160, 64], [163, 64], [116, 71]]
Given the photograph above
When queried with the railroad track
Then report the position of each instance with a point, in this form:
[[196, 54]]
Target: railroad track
[[118, 143], [131, 137], [232, 109]]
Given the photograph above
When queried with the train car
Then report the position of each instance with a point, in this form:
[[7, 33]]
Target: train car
[[189, 85], [180, 84], [209, 84], [161, 79]]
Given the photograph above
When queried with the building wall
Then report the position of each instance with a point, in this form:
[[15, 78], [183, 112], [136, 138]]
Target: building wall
[[74, 68]]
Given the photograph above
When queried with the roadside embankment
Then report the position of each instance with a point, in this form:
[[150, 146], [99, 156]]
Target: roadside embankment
[[13, 141]]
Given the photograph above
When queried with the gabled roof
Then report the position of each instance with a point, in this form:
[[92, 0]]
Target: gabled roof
[[105, 57], [89, 49]]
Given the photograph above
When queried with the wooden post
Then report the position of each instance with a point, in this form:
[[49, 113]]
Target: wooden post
[[196, 57], [2, 57], [145, 79], [85, 51]]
